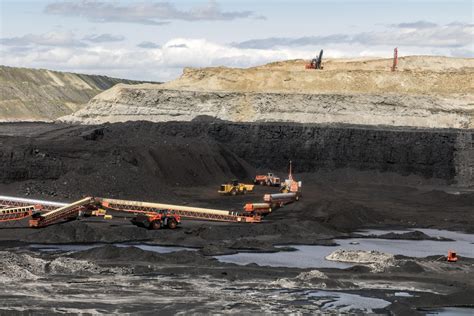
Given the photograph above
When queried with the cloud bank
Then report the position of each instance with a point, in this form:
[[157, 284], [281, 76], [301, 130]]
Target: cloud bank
[[148, 13], [417, 34], [57, 39], [98, 53]]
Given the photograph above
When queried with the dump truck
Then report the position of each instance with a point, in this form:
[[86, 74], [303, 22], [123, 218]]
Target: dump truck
[[269, 179], [235, 188], [157, 220]]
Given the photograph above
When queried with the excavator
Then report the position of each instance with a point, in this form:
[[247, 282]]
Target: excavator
[[316, 62]]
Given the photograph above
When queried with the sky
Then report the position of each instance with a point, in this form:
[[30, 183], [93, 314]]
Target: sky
[[154, 40]]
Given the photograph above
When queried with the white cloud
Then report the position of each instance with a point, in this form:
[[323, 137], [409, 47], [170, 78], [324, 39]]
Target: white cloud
[[157, 64], [64, 39], [148, 13], [161, 63], [417, 34], [416, 25], [103, 38], [149, 45]]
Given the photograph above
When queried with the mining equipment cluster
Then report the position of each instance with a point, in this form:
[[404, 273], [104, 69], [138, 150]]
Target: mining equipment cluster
[[150, 215]]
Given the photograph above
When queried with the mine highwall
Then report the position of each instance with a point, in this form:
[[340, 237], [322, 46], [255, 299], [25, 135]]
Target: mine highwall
[[442, 154], [208, 151]]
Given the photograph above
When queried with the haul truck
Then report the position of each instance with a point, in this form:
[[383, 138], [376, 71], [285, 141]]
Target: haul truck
[[269, 179]]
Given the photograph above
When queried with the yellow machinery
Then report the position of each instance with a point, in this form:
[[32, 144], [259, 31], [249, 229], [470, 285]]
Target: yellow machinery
[[99, 212], [234, 188]]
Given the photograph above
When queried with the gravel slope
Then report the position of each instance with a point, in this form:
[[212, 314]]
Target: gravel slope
[[43, 95]]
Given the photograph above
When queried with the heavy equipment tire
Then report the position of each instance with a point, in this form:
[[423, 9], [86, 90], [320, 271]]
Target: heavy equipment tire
[[155, 225], [233, 192], [244, 191], [172, 223]]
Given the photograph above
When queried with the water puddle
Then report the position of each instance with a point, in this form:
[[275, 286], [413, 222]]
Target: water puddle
[[345, 302], [314, 256], [410, 248], [452, 311], [82, 247], [304, 257]]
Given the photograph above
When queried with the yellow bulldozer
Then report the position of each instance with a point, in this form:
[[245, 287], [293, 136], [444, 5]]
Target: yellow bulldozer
[[235, 188]]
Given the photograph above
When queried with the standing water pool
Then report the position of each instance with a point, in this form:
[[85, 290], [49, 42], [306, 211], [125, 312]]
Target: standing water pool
[[314, 256]]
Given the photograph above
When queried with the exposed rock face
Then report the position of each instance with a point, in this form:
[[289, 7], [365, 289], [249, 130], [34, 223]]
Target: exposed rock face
[[432, 92], [44, 95], [442, 154], [193, 153], [131, 103]]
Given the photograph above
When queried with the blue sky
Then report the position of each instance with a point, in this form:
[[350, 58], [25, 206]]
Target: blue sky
[[154, 40]]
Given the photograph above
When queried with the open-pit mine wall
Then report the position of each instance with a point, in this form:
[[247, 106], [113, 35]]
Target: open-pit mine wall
[[441, 154], [150, 103], [123, 158]]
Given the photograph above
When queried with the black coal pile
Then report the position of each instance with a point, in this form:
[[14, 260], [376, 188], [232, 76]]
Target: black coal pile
[[114, 162]]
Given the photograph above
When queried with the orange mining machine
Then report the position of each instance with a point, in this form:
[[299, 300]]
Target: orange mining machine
[[151, 215], [316, 63], [452, 256], [158, 220], [268, 179]]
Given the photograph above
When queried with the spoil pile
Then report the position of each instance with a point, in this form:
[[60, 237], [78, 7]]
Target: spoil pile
[[44, 95], [119, 161], [377, 261], [27, 266]]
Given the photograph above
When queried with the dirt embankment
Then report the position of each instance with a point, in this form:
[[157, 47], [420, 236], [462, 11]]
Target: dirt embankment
[[431, 92], [44, 95], [416, 75]]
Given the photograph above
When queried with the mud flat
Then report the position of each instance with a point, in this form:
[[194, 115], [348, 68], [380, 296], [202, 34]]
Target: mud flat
[[121, 279]]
